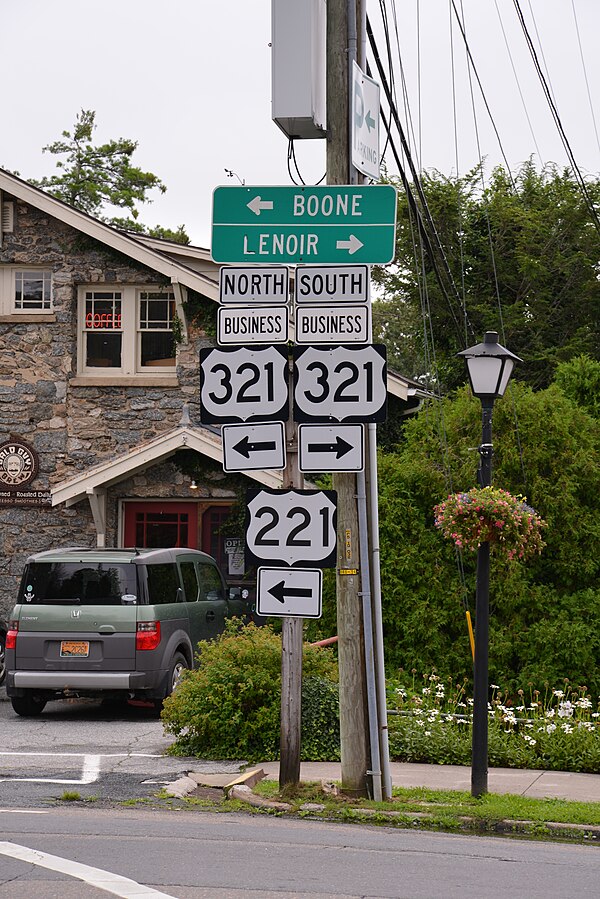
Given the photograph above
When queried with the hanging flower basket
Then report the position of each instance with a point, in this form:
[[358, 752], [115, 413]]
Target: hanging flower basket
[[487, 514]]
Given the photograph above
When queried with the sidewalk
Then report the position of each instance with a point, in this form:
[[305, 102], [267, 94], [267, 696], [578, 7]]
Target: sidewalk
[[533, 784]]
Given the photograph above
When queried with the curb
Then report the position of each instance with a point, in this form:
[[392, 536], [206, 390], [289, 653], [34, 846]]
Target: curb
[[189, 782]]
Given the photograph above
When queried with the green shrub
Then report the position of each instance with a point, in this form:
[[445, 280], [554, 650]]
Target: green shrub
[[320, 720], [229, 707]]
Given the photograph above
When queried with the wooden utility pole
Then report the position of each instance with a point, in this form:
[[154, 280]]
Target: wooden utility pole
[[291, 649], [353, 710]]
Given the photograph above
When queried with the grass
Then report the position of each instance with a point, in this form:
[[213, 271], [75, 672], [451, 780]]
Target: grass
[[70, 796], [448, 810]]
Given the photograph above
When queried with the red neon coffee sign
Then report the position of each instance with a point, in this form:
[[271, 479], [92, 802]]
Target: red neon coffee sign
[[105, 320]]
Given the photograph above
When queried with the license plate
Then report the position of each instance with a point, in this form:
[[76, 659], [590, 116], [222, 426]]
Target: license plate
[[74, 648]]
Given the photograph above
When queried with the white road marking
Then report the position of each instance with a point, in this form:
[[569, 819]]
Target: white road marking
[[23, 811], [108, 755], [89, 775], [103, 880], [91, 765]]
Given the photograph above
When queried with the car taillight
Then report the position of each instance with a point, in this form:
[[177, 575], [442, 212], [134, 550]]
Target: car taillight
[[147, 635], [11, 635]]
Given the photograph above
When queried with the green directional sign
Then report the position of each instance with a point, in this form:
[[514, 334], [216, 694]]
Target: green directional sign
[[331, 224]]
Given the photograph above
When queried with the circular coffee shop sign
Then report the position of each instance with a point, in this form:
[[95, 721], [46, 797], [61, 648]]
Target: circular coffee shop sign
[[18, 464], [18, 468]]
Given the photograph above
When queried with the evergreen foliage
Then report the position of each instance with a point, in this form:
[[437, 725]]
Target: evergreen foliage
[[94, 176], [524, 257], [545, 615]]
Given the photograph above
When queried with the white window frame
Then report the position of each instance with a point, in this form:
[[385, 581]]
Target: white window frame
[[8, 291], [130, 330]]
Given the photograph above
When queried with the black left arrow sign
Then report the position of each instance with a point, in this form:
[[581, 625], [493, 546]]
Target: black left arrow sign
[[340, 447], [281, 592], [245, 447]]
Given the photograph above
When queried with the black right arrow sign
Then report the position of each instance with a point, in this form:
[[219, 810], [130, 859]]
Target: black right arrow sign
[[337, 447], [340, 447]]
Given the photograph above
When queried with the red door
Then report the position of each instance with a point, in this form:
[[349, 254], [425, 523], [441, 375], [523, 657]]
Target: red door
[[157, 525], [213, 541]]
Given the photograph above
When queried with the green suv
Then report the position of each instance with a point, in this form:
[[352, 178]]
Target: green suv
[[112, 623]]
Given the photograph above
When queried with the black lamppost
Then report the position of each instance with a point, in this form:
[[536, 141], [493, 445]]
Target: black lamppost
[[489, 366]]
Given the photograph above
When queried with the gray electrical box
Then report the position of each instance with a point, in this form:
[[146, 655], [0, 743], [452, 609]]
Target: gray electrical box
[[298, 67]]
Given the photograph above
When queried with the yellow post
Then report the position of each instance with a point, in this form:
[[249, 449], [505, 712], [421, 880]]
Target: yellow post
[[471, 637]]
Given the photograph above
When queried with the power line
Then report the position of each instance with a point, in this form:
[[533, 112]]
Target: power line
[[576, 171], [424, 217]]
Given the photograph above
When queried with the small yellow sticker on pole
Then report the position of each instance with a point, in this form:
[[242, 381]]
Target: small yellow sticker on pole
[[347, 570]]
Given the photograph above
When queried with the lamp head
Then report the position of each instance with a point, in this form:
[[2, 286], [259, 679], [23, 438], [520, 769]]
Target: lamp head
[[489, 366]]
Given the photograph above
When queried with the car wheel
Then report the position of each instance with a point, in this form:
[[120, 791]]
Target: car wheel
[[28, 706], [2, 659], [178, 666]]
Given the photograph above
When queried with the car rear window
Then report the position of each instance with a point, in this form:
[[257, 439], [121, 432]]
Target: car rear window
[[100, 583]]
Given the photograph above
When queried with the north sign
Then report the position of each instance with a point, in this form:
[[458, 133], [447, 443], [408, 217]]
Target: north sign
[[242, 325], [291, 527], [286, 225], [253, 447], [259, 284], [330, 447], [243, 384], [340, 383], [330, 324], [332, 284], [289, 592]]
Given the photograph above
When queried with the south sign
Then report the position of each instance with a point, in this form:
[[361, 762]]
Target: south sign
[[340, 383]]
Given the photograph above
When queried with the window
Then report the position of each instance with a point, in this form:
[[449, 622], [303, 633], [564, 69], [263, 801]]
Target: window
[[73, 582], [126, 331], [25, 291], [190, 581], [156, 342], [163, 584], [211, 585]]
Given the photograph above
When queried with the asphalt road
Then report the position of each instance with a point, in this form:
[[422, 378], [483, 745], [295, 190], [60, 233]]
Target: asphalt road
[[79, 746], [200, 855], [50, 849]]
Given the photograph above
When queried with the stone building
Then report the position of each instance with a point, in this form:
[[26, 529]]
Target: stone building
[[100, 441]]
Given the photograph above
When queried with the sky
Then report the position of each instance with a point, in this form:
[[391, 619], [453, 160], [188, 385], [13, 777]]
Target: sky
[[191, 82]]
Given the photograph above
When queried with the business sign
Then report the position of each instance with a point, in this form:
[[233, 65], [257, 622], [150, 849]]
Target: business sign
[[332, 283], [303, 224], [254, 447], [340, 383], [330, 324], [243, 384], [291, 527], [259, 284], [330, 447], [289, 592], [242, 325], [364, 123]]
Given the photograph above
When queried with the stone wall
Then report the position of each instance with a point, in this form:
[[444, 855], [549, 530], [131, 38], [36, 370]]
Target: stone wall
[[73, 427]]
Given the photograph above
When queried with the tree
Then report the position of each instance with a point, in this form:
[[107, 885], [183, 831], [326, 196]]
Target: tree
[[93, 176], [545, 615], [579, 379], [523, 253]]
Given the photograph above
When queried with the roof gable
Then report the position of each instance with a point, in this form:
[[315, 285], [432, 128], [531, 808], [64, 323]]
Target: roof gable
[[147, 454], [130, 246]]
